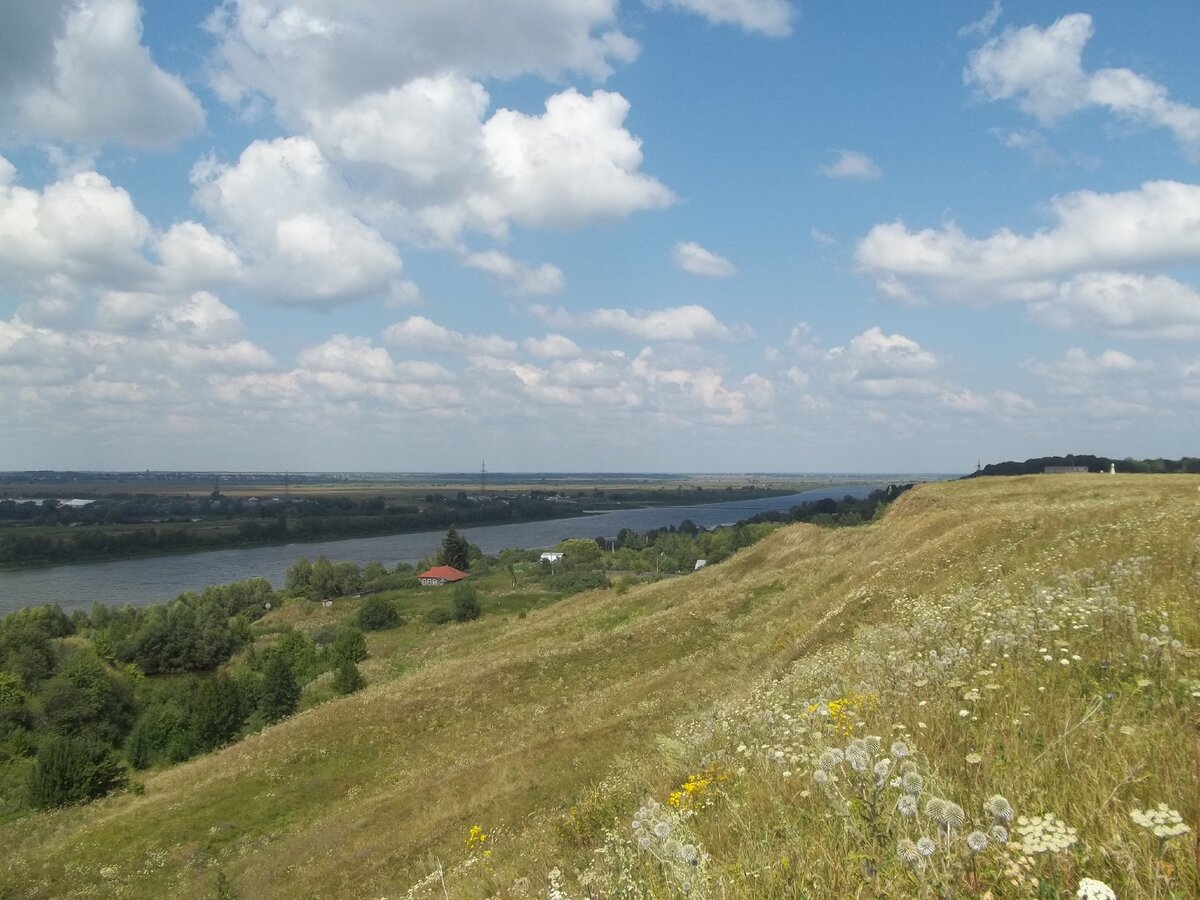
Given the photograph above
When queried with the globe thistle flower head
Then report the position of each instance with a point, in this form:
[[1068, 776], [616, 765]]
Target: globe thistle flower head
[[912, 783], [828, 760], [935, 809], [926, 846], [998, 808], [999, 834], [977, 841], [689, 854], [661, 829], [955, 817], [899, 749], [859, 761], [882, 769], [907, 806], [908, 853], [907, 766], [873, 743], [821, 777]]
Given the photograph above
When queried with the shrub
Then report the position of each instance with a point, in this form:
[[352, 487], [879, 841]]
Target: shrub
[[466, 603], [347, 679], [72, 770], [439, 615], [280, 693], [577, 582], [377, 613], [349, 645]]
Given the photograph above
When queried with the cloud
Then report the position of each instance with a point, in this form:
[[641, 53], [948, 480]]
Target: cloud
[[305, 54], [288, 215], [79, 72], [1067, 271], [679, 323], [852, 164], [81, 226], [522, 279], [553, 346], [985, 24], [1042, 70], [884, 365], [693, 258], [1124, 304], [821, 237], [770, 17], [571, 165], [420, 333], [360, 358]]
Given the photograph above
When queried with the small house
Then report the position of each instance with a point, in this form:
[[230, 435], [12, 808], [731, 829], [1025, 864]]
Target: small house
[[552, 556], [700, 564], [440, 575]]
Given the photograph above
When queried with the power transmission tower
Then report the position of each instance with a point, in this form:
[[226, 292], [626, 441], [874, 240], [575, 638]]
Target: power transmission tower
[[483, 477]]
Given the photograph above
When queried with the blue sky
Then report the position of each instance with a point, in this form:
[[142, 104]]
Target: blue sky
[[672, 235]]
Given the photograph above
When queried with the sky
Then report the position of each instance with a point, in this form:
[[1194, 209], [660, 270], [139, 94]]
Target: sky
[[597, 235]]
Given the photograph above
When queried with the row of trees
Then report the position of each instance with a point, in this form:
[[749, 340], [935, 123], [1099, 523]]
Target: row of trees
[[77, 710]]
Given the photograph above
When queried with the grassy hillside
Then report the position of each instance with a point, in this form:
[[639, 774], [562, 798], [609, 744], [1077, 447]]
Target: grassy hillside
[[986, 635]]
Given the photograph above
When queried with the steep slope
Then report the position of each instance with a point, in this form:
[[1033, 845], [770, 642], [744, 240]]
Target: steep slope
[[546, 729]]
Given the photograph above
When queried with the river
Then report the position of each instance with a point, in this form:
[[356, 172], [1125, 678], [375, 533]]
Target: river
[[159, 578]]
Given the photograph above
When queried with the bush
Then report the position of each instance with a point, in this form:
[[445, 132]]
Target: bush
[[439, 615], [72, 770], [347, 679], [577, 582], [280, 691], [349, 645], [466, 603], [377, 613]]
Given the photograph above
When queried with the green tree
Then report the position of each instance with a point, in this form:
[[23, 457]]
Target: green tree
[[72, 770], [347, 679], [466, 603], [349, 645], [217, 713], [280, 693], [298, 577], [455, 551], [377, 613], [579, 553]]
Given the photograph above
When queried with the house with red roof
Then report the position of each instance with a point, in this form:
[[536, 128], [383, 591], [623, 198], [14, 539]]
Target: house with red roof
[[441, 575]]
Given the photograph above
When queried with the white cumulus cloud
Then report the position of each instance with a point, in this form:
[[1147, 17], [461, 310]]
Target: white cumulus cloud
[[84, 76], [853, 164], [770, 17], [693, 258], [1042, 70], [679, 323]]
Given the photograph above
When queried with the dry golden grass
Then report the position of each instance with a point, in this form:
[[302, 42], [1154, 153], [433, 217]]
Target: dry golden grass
[[551, 730]]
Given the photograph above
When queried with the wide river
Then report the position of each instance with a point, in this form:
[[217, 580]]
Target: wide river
[[159, 578]]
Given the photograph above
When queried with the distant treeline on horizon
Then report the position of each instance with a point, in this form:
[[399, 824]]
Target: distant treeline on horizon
[[1038, 465]]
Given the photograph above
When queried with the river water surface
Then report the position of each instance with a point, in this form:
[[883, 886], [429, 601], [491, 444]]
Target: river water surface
[[160, 578]]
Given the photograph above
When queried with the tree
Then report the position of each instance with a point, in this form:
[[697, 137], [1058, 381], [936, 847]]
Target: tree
[[377, 613], [217, 712], [71, 770], [580, 553], [455, 551], [347, 679], [349, 644], [466, 603], [280, 691]]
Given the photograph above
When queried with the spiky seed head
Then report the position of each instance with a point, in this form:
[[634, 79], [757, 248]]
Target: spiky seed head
[[926, 846], [907, 806], [913, 783], [955, 818], [998, 808], [873, 742], [977, 841]]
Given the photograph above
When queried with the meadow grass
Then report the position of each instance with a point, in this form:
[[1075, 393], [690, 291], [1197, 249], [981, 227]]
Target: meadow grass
[[830, 713]]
